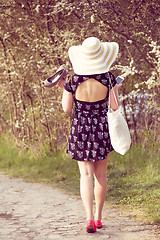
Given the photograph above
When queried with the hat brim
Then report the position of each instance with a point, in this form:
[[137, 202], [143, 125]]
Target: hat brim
[[84, 65]]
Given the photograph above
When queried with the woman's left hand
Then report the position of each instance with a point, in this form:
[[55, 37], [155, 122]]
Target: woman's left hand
[[119, 86]]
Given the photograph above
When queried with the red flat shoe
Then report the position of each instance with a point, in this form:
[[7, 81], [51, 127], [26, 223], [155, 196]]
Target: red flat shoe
[[91, 227], [98, 224]]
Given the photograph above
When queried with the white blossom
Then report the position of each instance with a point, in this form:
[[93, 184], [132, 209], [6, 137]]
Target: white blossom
[[37, 8], [92, 19]]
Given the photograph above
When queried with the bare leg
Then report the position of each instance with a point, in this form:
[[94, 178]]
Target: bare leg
[[86, 187], [100, 186]]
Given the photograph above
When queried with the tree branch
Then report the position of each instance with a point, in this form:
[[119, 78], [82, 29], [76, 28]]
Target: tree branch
[[120, 33]]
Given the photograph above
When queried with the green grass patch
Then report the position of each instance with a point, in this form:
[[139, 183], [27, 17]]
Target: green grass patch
[[133, 179], [56, 170]]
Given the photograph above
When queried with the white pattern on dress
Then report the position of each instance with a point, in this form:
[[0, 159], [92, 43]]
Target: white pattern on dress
[[100, 135], [79, 114], [103, 119], [76, 78], [87, 128], [80, 144], [79, 105], [96, 145], [93, 153], [87, 152], [73, 130], [105, 143], [102, 151], [74, 87], [80, 154], [80, 129], [92, 137], [85, 78], [95, 120], [94, 128], [75, 121], [106, 75], [74, 138], [105, 134], [88, 144], [72, 146], [100, 158], [89, 120], [101, 126], [104, 105], [71, 154], [88, 107], [97, 105], [83, 120], [104, 81], [98, 77], [84, 137], [95, 111]]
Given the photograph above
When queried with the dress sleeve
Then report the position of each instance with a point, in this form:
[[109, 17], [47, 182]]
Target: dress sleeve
[[68, 85], [113, 80]]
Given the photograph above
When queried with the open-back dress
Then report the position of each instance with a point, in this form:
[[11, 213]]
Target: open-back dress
[[89, 138]]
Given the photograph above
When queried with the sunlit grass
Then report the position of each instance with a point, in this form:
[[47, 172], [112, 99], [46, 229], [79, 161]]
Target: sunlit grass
[[134, 181], [57, 170]]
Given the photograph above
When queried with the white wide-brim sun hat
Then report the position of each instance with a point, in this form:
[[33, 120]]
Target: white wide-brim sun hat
[[93, 56]]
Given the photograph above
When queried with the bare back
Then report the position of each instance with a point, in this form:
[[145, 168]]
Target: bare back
[[91, 91]]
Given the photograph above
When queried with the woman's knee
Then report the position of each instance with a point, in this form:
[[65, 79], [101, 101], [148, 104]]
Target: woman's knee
[[101, 169], [86, 169], [100, 175]]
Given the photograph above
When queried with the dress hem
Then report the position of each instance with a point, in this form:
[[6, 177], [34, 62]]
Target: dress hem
[[87, 160]]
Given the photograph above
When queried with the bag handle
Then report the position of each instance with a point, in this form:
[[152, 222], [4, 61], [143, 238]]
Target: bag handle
[[113, 93]]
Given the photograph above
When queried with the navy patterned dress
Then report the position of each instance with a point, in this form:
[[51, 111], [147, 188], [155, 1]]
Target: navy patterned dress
[[89, 136]]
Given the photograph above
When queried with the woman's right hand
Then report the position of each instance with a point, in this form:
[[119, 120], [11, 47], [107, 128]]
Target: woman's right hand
[[61, 83]]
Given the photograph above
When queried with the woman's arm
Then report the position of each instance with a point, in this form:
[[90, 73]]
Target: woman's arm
[[67, 101], [113, 102], [67, 98]]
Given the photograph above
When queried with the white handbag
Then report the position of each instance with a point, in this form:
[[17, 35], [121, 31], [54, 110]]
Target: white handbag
[[118, 129]]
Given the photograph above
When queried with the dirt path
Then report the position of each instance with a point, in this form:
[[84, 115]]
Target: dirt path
[[35, 211]]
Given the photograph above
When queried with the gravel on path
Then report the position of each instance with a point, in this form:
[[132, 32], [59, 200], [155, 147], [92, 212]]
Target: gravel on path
[[39, 212]]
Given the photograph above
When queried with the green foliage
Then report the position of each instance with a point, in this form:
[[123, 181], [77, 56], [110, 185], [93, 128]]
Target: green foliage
[[134, 180], [35, 37], [57, 170]]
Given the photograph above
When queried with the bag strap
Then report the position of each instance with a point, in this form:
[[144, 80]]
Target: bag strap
[[109, 102]]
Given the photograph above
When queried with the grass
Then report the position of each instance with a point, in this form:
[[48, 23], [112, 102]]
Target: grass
[[56, 170], [133, 179]]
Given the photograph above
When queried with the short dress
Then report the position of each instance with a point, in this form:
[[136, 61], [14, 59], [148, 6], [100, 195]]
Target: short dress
[[89, 138]]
